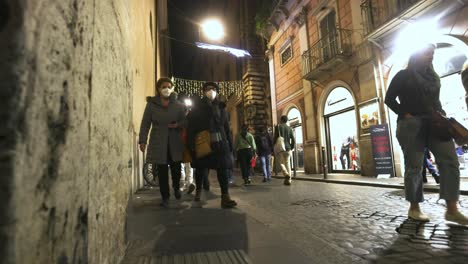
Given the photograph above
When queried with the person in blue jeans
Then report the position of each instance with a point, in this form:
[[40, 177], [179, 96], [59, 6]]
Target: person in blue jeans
[[427, 164], [418, 89], [264, 150]]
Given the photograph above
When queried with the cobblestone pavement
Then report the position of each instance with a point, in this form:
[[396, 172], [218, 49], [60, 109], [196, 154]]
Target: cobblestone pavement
[[313, 221], [367, 222]]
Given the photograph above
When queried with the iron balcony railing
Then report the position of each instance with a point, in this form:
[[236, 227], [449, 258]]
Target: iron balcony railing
[[376, 13], [332, 46]]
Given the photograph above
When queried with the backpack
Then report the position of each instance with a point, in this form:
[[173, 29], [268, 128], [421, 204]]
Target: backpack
[[263, 144]]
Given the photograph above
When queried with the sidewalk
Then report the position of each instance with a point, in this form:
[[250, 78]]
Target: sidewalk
[[356, 179], [325, 227]]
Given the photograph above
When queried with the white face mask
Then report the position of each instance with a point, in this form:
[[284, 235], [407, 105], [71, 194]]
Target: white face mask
[[166, 92], [211, 94]]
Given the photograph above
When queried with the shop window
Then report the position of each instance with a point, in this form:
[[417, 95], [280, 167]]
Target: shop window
[[341, 131], [295, 122]]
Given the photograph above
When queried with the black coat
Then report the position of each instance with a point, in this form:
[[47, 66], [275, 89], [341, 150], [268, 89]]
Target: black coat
[[212, 116]]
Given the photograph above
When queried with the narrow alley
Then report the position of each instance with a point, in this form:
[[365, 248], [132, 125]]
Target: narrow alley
[[101, 99]]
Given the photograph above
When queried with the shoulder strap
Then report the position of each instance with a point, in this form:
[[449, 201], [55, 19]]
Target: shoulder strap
[[279, 131], [245, 139]]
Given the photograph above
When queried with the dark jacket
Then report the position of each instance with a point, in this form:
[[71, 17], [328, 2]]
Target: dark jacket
[[203, 117], [411, 96], [264, 144], [157, 117], [287, 134]]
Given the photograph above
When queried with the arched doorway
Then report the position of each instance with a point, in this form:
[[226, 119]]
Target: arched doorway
[[341, 131], [295, 122]]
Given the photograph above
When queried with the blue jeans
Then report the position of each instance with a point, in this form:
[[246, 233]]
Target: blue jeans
[[265, 160], [412, 134]]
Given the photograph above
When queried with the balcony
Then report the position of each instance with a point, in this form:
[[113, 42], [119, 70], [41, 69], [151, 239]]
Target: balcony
[[327, 54], [376, 13]]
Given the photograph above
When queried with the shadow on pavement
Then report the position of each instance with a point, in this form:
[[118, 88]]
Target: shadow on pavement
[[432, 242], [183, 228]]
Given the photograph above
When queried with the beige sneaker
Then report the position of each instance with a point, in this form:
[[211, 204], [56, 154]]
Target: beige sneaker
[[458, 218], [418, 216]]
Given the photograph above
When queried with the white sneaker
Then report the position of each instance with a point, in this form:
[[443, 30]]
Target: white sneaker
[[418, 216]]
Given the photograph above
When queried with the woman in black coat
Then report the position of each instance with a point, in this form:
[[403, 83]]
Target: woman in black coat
[[209, 114]]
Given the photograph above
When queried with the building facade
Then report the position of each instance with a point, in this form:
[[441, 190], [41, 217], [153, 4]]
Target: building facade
[[74, 79], [330, 65]]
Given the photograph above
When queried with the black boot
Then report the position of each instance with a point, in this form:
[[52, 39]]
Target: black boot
[[436, 177], [227, 202], [197, 195]]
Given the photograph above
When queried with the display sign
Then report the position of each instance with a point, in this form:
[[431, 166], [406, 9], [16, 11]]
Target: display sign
[[369, 114], [382, 150]]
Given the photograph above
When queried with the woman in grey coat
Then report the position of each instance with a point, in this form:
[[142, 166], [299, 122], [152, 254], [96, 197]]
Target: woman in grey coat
[[166, 116]]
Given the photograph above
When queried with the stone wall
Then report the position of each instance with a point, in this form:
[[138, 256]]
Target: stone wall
[[66, 74]]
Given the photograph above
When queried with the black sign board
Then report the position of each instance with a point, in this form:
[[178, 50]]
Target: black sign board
[[381, 149]]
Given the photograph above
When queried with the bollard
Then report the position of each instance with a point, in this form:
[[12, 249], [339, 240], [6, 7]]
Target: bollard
[[324, 163]]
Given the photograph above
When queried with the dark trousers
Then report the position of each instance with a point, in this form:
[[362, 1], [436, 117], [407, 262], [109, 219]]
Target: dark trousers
[[201, 173], [244, 156], [163, 177], [345, 153]]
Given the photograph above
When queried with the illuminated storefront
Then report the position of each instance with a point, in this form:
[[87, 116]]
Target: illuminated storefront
[[341, 131], [295, 122]]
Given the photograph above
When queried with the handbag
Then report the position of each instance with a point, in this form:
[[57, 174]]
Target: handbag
[[203, 144], [253, 161], [279, 144], [446, 128]]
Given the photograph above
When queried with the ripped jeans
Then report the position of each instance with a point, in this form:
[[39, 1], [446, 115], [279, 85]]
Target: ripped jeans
[[413, 136]]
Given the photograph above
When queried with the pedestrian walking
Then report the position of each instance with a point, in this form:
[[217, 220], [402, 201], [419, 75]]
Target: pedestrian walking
[[223, 104], [165, 115], [427, 165], [246, 150], [210, 142], [417, 88], [284, 157], [264, 151], [186, 180]]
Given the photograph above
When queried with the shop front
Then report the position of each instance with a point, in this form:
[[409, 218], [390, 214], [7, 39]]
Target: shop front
[[339, 117], [295, 122]]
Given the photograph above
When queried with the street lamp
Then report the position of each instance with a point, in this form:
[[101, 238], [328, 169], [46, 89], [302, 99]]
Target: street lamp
[[213, 29]]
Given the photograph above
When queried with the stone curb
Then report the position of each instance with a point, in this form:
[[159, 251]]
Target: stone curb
[[365, 183]]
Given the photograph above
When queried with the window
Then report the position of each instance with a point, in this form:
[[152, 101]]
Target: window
[[329, 36], [286, 52]]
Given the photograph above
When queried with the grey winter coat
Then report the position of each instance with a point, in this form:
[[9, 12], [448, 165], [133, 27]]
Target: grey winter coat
[[157, 117]]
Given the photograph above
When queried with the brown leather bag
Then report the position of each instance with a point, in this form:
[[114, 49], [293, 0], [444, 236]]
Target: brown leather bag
[[447, 128], [203, 144]]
